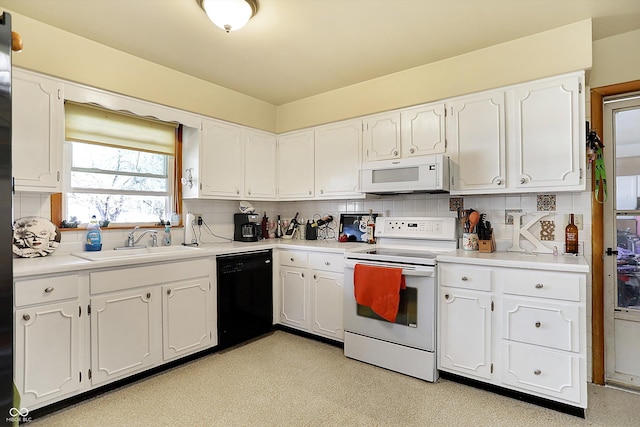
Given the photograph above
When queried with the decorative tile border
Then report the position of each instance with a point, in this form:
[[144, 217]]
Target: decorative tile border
[[546, 202], [456, 204]]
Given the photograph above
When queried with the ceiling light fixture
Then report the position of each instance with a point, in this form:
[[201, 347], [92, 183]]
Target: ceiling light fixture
[[230, 15]]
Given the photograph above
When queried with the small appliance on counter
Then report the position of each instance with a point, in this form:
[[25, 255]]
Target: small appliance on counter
[[246, 227]]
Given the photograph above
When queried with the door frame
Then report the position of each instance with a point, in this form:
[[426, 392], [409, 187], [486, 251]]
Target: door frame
[[597, 233]]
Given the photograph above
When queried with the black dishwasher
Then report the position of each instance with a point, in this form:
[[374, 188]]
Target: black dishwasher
[[245, 297]]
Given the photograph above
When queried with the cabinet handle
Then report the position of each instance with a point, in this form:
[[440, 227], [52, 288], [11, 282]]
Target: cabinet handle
[[539, 286], [465, 278], [26, 317], [412, 150], [148, 295], [537, 324], [446, 296], [49, 289], [302, 274], [537, 372], [315, 277], [395, 152], [522, 180], [168, 291]]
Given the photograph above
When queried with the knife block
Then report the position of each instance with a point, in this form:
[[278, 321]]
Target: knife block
[[487, 245]]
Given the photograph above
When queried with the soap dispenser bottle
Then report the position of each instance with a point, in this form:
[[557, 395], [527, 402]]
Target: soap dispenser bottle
[[166, 239], [94, 236]]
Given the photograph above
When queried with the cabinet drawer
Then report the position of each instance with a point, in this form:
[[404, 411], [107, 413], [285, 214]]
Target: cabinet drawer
[[46, 289], [326, 261], [464, 276], [547, 324], [548, 372], [293, 258], [543, 284]]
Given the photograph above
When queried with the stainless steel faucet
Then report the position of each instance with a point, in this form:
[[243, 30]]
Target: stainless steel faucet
[[132, 241]]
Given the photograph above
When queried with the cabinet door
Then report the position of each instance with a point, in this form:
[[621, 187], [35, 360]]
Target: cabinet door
[[37, 128], [222, 160], [382, 137], [549, 135], [125, 333], [476, 131], [338, 158], [423, 130], [326, 293], [260, 166], [294, 309], [296, 166], [47, 351], [185, 317], [465, 332]]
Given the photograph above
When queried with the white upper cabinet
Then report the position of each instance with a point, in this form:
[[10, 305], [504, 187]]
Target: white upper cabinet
[[338, 160], [476, 132], [222, 162], [296, 165], [549, 134], [382, 136], [423, 130], [260, 165], [524, 138], [37, 132]]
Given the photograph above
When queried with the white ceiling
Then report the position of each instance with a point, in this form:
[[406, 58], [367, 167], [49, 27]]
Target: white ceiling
[[293, 49]]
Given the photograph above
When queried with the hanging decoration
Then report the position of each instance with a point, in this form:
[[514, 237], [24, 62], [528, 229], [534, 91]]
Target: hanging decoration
[[594, 154]]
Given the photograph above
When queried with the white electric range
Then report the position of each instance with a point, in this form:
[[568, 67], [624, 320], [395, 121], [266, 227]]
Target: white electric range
[[408, 344]]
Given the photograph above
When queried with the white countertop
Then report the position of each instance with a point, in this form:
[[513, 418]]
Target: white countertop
[[568, 263], [63, 263]]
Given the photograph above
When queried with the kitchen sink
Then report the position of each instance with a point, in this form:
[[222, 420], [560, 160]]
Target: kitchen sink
[[124, 253]]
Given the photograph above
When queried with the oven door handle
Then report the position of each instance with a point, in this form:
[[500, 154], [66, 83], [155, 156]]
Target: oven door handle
[[418, 273]]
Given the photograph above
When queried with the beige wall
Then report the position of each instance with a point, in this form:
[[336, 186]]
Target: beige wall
[[616, 59], [61, 54], [553, 52]]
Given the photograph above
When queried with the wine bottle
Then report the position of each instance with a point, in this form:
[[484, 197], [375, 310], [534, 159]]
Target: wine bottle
[[371, 228], [571, 237], [279, 228], [293, 224]]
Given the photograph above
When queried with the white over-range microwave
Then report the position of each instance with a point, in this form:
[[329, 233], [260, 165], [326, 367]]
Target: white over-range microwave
[[429, 174]]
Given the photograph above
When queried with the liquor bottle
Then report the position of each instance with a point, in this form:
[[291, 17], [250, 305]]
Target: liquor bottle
[[571, 237], [371, 228], [279, 228]]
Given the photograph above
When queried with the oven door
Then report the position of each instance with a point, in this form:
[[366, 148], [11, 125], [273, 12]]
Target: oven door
[[415, 323]]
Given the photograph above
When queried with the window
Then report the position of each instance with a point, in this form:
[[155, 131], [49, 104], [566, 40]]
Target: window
[[118, 167]]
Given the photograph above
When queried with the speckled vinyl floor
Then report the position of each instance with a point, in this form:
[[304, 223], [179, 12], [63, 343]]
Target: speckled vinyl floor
[[287, 380]]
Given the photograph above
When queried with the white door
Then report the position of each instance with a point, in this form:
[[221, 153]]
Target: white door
[[327, 304], [259, 166], [423, 130], [185, 317], [222, 165], [382, 137], [294, 292], [338, 151], [296, 165], [125, 333], [621, 233]]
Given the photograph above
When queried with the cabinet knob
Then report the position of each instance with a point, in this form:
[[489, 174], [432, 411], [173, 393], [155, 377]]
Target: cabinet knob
[[539, 286], [499, 182], [446, 296], [26, 317], [309, 192], [148, 295], [327, 263], [395, 152], [537, 324], [315, 277], [537, 372], [522, 180], [321, 191], [237, 191], [49, 289], [464, 278], [412, 150], [249, 192], [291, 259], [168, 291], [302, 274]]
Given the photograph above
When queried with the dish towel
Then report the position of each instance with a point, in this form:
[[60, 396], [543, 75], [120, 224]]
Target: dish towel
[[378, 288]]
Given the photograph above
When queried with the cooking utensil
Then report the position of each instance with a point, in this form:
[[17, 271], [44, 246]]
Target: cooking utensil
[[474, 218]]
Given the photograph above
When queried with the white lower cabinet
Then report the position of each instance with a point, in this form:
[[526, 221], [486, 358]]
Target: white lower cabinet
[[73, 332], [311, 292], [47, 339], [519, 329], [126, 333]]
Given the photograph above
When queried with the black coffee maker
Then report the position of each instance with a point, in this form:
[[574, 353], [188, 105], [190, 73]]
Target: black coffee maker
[[246, 228]]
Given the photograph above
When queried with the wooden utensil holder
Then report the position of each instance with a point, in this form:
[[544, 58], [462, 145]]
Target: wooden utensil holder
[[487, 245]]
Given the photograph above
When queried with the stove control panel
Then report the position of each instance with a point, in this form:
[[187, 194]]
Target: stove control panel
[[433, 228]]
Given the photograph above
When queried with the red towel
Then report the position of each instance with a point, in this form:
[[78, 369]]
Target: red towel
[[378, 288]]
